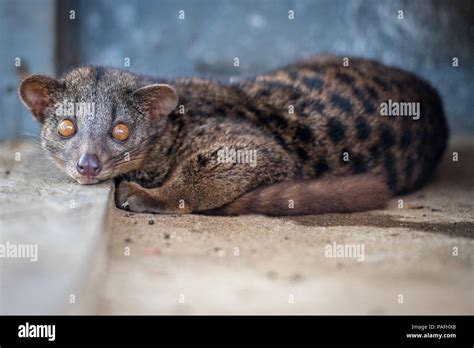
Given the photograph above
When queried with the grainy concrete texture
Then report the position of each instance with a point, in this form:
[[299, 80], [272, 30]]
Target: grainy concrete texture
[[65, 223], [252, 264]]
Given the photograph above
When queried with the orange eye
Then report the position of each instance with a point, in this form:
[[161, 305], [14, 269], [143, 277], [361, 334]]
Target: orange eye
[[120, 132], [66, 128]]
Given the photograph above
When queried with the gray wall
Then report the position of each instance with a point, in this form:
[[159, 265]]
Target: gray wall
[[26, 32], [260, 34]]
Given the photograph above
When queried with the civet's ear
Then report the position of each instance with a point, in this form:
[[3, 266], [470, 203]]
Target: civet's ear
[[36, 92], [158, 100]]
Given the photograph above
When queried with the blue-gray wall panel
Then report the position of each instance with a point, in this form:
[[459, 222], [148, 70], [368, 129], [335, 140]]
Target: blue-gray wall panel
[[261, 35], [27, 32]]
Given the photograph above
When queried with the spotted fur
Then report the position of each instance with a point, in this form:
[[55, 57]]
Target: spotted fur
[[315, 126]]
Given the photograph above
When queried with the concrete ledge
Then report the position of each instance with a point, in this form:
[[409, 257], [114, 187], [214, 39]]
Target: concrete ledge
[[40, 206]]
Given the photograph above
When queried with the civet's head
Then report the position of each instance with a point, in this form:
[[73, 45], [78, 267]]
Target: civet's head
[[97, 122]]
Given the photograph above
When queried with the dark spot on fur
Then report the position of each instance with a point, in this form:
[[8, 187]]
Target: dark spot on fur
[[113, 112], [304, 134], [405, 139], [372, 93], [363, 129], [263, 92], [342, 103], [374, 152], [291, 91], [278, 120], [313, 82], [389, 163], [336, 130], [361, 96], [281, 141], [346, 78], [302, 113], [312, 105], [197, 113], [321, 166], [387, 138], [368, 107], [302, 104], [358, 93], [302, 153], [215, 153], [359, 165], [173, 116], [98, 73], [275, 85], [202, 161], [220, 111]]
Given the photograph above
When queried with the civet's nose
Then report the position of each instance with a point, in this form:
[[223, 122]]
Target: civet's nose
[[89, 165]]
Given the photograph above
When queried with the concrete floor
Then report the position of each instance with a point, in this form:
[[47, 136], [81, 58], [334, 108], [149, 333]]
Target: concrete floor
[[41, 207], [157, 264], [255, 264]]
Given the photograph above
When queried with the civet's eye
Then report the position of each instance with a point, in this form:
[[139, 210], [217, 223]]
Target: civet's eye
[[66, 128], [120, 132]]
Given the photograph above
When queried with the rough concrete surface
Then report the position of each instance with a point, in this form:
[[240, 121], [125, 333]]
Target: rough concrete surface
[[254, 264], [40, 206]]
